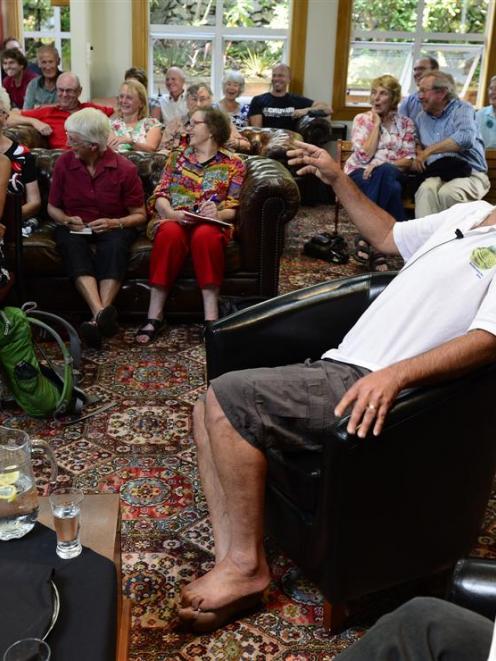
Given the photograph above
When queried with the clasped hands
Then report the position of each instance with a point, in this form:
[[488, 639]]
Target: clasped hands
[[98, 226]]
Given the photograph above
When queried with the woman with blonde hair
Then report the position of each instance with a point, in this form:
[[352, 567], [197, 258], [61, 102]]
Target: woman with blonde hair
[[132, 129], [383, 149]]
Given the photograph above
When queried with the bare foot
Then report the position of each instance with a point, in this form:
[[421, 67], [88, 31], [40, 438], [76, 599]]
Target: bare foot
[[204, 621], [227, 588]]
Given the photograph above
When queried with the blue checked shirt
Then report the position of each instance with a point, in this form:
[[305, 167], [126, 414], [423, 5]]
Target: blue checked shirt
[[457, 122]]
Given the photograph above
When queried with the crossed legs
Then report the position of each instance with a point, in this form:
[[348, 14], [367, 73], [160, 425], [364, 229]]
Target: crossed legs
[[233, 478]]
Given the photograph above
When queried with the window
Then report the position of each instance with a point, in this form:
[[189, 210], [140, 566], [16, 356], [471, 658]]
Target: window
[[46, 24], [206, 37], [377, 37]]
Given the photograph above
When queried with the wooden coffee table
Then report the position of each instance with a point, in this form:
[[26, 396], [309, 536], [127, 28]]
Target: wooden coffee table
[[100, 531]]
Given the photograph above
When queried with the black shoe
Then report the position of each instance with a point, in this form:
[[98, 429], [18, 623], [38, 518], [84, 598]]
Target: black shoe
[[90, 334]]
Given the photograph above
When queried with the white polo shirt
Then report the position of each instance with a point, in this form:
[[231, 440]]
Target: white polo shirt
[[171, 109], [446, 288]]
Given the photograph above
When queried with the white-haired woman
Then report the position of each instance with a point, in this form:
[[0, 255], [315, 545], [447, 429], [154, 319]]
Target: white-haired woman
[[23, 169], [96, 198], [233, 85]]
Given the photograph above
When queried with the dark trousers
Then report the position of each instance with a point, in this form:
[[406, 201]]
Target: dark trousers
[[425, 629], [104, 256], [384, 187]]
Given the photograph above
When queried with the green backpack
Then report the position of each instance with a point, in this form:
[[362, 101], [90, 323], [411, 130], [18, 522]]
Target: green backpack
[[40, 389]]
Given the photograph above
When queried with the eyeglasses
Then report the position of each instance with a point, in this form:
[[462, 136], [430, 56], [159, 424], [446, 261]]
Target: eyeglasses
[[75, 143], [195, 122]]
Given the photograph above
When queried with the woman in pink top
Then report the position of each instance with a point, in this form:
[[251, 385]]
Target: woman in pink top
[[383, 150]]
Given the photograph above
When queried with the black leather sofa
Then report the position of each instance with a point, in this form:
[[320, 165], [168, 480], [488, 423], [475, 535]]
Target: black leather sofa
[[269, 199]]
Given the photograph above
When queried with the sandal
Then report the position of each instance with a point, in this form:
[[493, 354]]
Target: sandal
[[363, 251], [151, 334], [378, 263], [106, 320], [90, 334]]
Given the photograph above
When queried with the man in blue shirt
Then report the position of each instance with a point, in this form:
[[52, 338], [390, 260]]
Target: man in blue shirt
[[486, 118], [411, 106], [447, 130]]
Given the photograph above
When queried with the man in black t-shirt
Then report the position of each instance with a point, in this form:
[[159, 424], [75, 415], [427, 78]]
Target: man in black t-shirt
[[278, 109]]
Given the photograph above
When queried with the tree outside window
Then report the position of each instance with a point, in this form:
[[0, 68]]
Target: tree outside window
[[206, 37], [387, 37]]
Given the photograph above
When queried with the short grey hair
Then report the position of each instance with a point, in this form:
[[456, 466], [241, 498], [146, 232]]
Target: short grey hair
[[442, 81], [91, 124], [233, 76]]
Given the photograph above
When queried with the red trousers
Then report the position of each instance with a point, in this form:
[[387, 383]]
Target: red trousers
[[171, 246]]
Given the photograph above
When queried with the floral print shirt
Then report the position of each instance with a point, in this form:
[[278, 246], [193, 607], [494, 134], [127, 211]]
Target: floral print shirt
[[186, 182], [137, 132], [395, 142]]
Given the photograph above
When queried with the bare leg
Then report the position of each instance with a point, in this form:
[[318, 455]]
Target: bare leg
[[211, 303], [87, 286], [108, 291], [240, 578], [158, 296], [212, 488]]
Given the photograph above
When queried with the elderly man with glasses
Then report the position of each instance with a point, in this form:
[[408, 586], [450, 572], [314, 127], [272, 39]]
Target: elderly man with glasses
[[451, 157], [50, 120]]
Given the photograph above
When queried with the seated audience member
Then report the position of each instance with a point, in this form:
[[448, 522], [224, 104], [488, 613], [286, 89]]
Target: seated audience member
[[94, 188], [23, 170], [42, 91], [383, 149], [17, 76], [12, 42], [393, 346], [451, 156], [50, 120], [426, 629], [203, 178], [233, 86], [135, 73], [132, 128], [172, 106], [411, 106], [176, 133], [486, 118], [236, 141], [279, 109]]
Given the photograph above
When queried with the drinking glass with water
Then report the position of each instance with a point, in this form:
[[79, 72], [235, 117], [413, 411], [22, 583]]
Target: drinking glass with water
[[66, 510]]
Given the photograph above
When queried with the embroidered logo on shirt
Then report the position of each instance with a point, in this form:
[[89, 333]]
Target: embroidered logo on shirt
[[483, 259]]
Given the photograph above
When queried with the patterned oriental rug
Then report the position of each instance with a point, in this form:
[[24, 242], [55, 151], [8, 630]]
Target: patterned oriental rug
[[142, 448]]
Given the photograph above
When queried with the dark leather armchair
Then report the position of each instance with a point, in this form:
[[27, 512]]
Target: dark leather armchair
[[367, 515]]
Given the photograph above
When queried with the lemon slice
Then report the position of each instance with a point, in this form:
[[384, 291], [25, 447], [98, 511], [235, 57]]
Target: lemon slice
[[8, 478], [8, 492]]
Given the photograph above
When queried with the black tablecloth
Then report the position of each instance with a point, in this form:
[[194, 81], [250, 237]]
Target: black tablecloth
[[86, 626]]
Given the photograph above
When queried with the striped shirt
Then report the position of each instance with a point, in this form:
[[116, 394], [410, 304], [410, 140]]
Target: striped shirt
[[457, 121]]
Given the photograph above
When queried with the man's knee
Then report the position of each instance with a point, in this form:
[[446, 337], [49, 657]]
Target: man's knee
[[450, 195], [213, 413]]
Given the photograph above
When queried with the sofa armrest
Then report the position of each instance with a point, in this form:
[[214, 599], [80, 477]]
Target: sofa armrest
[[269, 199], [292, 327], [473, 586]]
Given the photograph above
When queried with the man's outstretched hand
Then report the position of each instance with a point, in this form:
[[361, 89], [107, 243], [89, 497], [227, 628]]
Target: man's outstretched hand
[[370, 397], [313, 160]]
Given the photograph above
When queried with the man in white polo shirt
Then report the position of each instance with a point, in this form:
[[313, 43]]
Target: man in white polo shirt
[[436, 320]]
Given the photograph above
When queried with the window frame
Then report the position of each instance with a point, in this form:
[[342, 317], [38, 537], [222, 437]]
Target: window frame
[[341, 59], [296, 38]]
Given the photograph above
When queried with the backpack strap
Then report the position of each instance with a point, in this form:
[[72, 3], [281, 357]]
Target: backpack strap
[[74, 342], [67, 384]]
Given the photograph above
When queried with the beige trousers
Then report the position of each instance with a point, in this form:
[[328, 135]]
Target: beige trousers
[[436, 195]]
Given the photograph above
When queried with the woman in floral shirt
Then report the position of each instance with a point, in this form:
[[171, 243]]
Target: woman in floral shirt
[[203, 178], [383, 150], [132, 129]]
